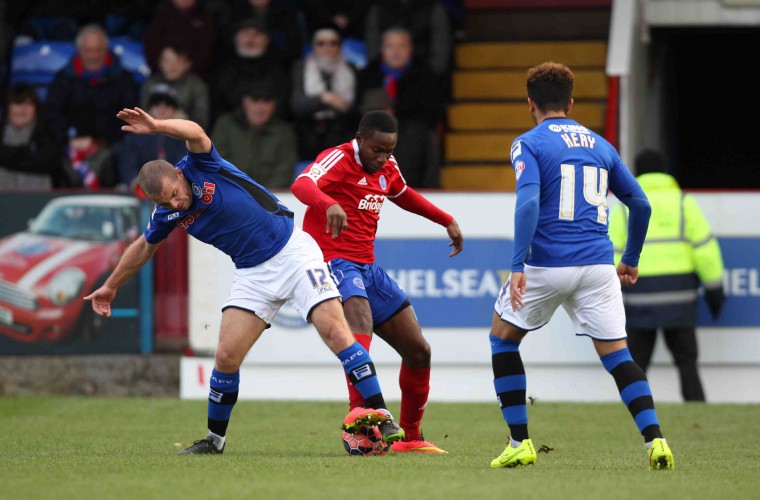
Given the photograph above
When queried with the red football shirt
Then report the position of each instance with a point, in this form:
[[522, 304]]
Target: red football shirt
[[338, 173]]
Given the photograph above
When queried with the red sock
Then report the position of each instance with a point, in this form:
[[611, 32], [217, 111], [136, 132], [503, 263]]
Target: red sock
[[354, 396], [415, 387]]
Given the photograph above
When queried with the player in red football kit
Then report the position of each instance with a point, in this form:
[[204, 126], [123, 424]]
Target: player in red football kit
[[344, 190]]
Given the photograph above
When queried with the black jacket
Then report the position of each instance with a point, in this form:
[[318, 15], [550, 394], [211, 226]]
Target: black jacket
[[90, 104]]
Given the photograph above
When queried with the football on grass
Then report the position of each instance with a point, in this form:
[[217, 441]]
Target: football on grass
[[367, 441]]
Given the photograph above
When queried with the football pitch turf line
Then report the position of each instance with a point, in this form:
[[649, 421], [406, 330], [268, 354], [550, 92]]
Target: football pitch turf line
[[77, 447]]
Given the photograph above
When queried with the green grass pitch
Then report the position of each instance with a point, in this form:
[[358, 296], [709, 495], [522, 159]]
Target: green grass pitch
[[72, 447]]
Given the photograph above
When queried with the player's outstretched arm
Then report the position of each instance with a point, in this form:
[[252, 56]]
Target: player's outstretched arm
[[135, 256], [412, 201], [140, 122], [308, 193], [457, 240]]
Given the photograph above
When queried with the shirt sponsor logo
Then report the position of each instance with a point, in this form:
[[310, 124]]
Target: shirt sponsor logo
[[208, 192], [187, 221], [372, 202], [579, 129], [519, 167]]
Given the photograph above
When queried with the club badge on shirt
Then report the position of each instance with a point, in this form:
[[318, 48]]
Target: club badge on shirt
[[519, 168], [383, 182]]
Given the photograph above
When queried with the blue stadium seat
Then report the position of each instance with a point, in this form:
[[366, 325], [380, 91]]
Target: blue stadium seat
[[132, 55], [299, 166], [41, 58], [355, 52], [36, 63]]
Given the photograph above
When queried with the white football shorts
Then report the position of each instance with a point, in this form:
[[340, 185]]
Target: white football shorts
[[298, 273], [590, 294]]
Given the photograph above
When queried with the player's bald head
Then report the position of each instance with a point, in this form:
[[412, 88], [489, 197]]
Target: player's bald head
[[153, 174], [550, 86]]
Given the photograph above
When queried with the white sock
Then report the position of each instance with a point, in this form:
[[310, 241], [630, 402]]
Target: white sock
[[218, 440], [515, 444]]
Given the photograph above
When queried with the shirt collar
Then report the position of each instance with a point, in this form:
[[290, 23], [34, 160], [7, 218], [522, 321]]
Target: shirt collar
[[355, 145]]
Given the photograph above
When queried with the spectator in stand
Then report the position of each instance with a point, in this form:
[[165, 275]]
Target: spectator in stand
[[253, 62], [175, 69], [135, 150], [286, 26], [29, 154], [185, 22], [414, 95], [347, 15], [255, 140], [89, 163], [324, 89], [427, 21], [84, 93]]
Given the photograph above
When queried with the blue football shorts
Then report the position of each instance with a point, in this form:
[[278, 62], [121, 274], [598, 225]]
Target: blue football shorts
[[370, 281]]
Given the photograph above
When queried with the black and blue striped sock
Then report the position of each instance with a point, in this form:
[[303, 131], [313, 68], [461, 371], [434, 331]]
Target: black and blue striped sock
[[634, 391], [360, 370], [510, 383], [222, 397]]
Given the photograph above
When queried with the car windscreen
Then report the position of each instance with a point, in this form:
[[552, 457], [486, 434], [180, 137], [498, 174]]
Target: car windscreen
[[92, 223]]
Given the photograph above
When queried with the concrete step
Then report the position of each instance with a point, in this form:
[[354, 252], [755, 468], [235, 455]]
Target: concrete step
[[515, 116], [478, 147], [523, 55], [478, 177], [510, 84]]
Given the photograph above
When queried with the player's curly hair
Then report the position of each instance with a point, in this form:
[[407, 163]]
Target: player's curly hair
[[377, 121], [550, 86]]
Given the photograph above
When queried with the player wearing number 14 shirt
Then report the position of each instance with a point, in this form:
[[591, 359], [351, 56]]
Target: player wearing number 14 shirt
[[563, 256], [344, 190]]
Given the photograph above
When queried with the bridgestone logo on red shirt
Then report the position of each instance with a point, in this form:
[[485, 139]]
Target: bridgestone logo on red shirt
[[372, 202]]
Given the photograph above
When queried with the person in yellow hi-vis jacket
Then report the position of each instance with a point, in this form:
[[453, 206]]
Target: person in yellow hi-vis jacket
[[680, 255]]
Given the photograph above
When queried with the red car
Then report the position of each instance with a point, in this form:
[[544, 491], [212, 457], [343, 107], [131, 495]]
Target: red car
[[69, 250]]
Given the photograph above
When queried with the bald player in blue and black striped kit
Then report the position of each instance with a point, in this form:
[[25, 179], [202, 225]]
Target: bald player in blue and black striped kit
[[563, 256], [275, 261]]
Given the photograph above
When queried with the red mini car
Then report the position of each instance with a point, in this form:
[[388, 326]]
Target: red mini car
[[69, 249]]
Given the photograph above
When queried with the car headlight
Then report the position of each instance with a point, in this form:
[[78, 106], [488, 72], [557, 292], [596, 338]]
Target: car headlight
[[66, 285]]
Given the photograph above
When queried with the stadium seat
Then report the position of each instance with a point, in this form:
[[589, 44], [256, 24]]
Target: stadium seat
[[36, 63], [299, 166], [132, 55], [355, 52], [41, 58]]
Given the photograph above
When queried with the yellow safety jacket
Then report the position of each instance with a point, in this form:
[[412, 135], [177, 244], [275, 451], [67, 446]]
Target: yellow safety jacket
[[679, 254]]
